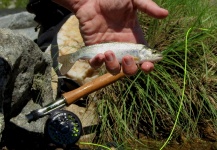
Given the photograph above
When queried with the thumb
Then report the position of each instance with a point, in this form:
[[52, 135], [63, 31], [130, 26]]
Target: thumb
[[151, 8]]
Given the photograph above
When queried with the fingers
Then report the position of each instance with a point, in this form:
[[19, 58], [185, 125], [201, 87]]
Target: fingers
[[97, 61], [111, 63], [147, 67], [151, 8], [129, 66]]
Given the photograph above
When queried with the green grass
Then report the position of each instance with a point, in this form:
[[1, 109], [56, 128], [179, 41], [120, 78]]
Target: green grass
[[178, 99]]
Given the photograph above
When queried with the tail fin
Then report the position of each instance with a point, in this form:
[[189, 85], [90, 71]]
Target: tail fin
[[66, 62]]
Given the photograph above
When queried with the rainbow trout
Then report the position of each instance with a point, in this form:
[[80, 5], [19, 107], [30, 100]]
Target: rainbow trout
[[140, 52]]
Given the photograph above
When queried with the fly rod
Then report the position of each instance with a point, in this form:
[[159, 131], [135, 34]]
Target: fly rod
[[74, 95]]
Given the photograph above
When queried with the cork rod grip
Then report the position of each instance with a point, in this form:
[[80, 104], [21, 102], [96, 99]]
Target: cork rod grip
[[91, 87]]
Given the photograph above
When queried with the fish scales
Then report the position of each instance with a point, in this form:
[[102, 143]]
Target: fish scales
[[140, 53], [87, 53]]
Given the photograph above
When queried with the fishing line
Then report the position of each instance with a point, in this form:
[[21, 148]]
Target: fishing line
[[183, 90]]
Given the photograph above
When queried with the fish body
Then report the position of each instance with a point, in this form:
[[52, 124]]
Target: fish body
[[140, 52]]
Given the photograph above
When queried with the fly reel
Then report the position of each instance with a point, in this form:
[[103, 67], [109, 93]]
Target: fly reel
[[63, 128]]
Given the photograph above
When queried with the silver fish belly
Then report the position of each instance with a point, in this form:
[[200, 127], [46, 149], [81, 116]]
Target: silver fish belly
[[140, 53]]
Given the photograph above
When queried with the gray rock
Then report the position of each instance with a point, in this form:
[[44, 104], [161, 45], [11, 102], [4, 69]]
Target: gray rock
[[2, 124], [5, 11], [21, 23], [27, 32], [21, 121], [26, 64], [18, 21]]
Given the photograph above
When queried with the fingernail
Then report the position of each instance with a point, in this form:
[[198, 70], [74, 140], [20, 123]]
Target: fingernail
[[128, 61], [109, 57]]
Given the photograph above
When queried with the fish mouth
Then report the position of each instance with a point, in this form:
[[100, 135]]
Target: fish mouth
[[158, 57], [153, 58]]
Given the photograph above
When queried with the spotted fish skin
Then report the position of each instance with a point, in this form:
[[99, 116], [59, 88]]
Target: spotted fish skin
[[140, 52]]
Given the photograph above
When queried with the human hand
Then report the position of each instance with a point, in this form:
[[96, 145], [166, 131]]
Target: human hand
[[113, 20]]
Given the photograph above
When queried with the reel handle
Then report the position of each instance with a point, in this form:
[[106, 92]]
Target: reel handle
[[90, 87]]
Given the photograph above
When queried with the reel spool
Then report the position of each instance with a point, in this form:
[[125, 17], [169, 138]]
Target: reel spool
[[63, 128]]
